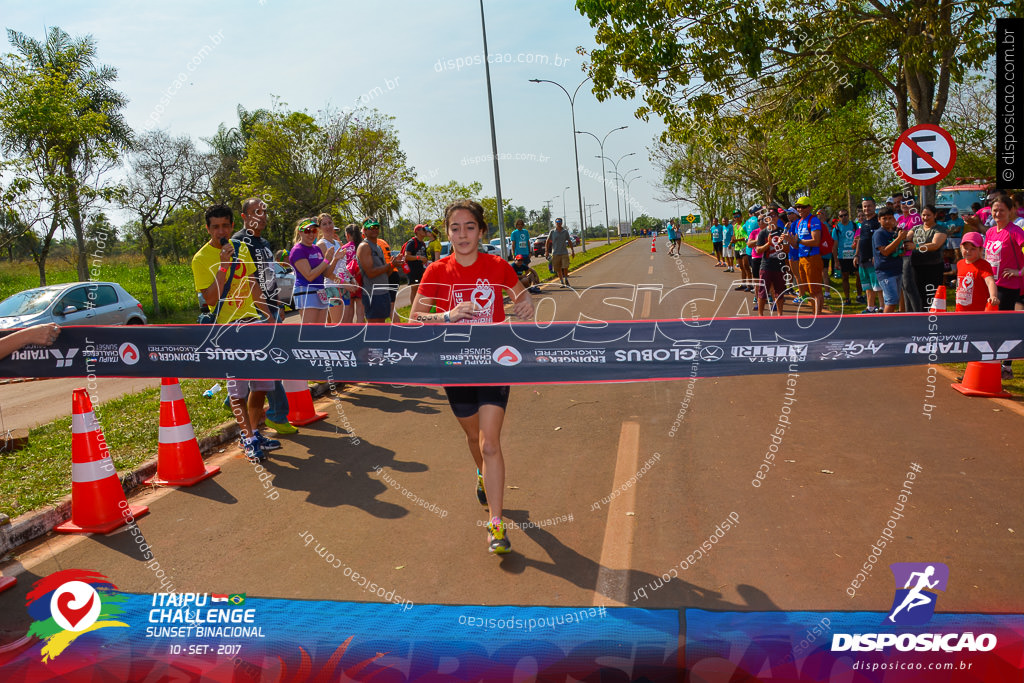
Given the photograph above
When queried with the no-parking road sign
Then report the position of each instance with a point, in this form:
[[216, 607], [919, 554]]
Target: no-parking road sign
[[924, 154]]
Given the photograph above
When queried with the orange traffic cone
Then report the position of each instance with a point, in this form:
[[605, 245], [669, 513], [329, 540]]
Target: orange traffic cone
[[98, 504], [7, 582], [939, 300], [300, 403], [654, 248], [179, 462], [982, 379]]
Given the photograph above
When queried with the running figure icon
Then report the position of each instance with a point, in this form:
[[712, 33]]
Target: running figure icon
[[916, 598]]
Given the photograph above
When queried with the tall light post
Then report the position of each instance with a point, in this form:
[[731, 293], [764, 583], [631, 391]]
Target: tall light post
[[494, 139], [567, 187], [600, 142], [575, 149], [615, 166], [629, 215]]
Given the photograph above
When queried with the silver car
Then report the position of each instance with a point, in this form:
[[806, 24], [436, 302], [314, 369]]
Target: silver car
[[77, 303]]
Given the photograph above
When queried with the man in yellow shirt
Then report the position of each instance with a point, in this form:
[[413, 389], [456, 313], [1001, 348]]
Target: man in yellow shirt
[[243, 302], [433, 246]]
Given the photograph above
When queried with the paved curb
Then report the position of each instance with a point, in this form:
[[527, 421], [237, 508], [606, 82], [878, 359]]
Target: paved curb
[[33, 525]]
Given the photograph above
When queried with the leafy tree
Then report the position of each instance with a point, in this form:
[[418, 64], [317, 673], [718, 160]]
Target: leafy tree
[[80, 129], [427, 202], [348, 165], [690, 59]]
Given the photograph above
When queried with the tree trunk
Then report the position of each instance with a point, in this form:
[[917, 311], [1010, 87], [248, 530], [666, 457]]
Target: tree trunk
[[75, 213], [151, 260]]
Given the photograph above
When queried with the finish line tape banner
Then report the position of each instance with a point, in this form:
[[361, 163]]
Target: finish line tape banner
[[524, 353]]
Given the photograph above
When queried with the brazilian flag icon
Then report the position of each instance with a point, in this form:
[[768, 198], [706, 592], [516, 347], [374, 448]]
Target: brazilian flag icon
[[236, 598]]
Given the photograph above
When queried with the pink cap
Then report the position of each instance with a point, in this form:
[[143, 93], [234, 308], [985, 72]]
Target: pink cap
[[974, 238]]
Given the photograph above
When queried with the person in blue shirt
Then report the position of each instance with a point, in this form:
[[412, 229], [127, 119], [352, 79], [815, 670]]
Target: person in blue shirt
[[716, 243], [886, 251], [728, 234], [807, 240], [520, 242], [671, 237], [843, 235]]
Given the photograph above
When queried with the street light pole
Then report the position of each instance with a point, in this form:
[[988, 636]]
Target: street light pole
[[601, 144], [615, 166], [494, 139], [629, 218], [575, 148], [567, 187]]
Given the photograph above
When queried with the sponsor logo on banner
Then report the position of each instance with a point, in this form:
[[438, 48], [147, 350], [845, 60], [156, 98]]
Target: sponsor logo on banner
[[468, 356], [771, 353], [391, 357], [64, 358], [128, 353], [243, 355], [507, 355], [682, 353], [913, 605], [711, 354], [173, 354], [326, 358], [279, 356], [1002, 353], [569, 355], [928, 348], [849, 349]]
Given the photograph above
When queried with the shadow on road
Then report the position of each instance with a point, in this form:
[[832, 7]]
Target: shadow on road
[[335, 472], [568, 564]]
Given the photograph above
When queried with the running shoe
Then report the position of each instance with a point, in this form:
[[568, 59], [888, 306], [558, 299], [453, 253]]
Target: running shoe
[[862, 299], [253, 452], [481, 493], [265, 443], [798, 300], [849, 302], [741, 288], [755, 307], [283, 428], [497, 536], [534, 290]]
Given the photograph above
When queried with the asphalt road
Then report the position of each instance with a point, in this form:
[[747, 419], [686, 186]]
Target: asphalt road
[[800, 539]]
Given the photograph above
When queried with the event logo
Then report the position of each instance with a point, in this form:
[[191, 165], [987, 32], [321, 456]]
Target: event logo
[[914, 603], [279, 356], [507, 355], [68, 604], [129, 353]]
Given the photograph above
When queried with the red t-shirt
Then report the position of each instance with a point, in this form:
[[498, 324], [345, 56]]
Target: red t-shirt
[[971, 290], [485, 282]]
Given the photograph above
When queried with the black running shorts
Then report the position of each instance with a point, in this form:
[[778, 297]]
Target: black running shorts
[[466, 401]]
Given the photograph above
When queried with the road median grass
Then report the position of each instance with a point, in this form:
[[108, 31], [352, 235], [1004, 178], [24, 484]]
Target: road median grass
[[40, 474]]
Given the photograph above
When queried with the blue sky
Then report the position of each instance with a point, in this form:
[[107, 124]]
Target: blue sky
[[408, 59]]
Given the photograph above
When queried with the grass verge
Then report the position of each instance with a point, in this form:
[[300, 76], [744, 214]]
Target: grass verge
[[40, 474]]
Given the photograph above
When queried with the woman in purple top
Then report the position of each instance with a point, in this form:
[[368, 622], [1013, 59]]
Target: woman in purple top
[[310, 264]]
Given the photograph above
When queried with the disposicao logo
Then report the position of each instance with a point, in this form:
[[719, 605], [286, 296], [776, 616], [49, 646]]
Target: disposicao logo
[[913, 605], [68, 604]]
